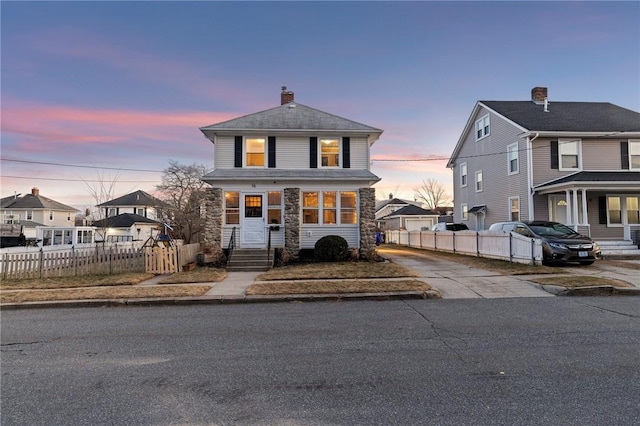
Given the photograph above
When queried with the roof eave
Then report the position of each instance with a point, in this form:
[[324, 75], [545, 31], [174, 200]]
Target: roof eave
[[609, 134]]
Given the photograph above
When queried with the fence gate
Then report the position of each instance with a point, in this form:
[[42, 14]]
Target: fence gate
[[161, 260]]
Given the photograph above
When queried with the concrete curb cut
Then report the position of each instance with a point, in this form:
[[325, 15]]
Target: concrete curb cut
[[223, 300], [605, 290]]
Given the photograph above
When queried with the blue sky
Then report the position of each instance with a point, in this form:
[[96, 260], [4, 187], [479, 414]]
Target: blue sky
[[125, 85]]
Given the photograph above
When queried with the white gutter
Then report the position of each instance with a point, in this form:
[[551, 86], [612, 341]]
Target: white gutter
[[530, 174]]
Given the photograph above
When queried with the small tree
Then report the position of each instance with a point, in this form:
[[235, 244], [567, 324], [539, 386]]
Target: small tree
[[101, 190], [183, 190], [432, 193]]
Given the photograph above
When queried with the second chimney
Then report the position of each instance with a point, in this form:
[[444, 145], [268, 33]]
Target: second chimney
[[35, 191], [538, 95], [286, 96]]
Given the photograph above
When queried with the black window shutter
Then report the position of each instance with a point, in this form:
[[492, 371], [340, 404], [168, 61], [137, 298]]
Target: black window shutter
[[346, 152], [624, 154], [313, 152], [271, 151], [602, 210], [237, 152], [554, 155]]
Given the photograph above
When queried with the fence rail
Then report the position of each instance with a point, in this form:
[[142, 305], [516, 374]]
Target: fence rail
[[72, 262], [511, 246]]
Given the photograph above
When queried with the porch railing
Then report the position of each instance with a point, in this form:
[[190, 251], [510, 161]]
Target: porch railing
[[232, 244]]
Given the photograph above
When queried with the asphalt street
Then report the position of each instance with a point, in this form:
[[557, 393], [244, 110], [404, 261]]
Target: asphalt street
[[505, 361]]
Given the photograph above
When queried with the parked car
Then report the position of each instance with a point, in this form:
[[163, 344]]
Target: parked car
[[445, 226], [560, 244]]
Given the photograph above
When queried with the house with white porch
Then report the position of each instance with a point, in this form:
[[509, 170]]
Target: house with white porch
[[577, 163]]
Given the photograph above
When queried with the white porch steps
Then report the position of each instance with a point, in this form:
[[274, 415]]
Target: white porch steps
[[611, 248], [246, 260]]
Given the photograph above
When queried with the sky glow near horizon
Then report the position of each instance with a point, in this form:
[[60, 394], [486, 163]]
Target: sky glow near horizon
[[127, 84]]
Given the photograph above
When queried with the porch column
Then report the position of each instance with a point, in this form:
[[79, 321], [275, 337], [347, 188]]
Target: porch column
[[567, 198], [367, 223], [291, 224], [575, 207], [585, 218]]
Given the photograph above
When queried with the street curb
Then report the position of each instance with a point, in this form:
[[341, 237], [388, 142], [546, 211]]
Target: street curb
[[223, 300], [604, 290]]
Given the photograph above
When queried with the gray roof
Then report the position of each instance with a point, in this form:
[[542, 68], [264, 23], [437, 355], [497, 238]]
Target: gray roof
[[291, 175], [600, 177], [292, 116], [137, 198], [124, 220], [411, 210], [34, 202], [568, 116]]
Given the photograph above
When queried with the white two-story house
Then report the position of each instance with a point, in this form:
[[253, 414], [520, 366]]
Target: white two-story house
[[289, 175], [572, 162]]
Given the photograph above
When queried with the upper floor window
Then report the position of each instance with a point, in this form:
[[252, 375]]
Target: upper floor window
[[330, 152], [140, 212], [29, 214], [479, 181], [512, 159], [463, 174], [569, 154], [112, 212], [50, 214], [255, 152], [482, 127], [634, 154]]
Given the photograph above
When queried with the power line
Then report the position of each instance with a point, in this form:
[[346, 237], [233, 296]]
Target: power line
[[46, 163], [78, 180]]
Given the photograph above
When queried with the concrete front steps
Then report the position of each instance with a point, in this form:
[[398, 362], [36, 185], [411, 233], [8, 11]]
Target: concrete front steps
[[618, 249], [250, 260]]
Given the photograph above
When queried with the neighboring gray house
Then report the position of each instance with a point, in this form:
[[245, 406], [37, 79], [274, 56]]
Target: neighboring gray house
[[126, 227], [291, 174], [409, 218], [572, 162], [139, 202]]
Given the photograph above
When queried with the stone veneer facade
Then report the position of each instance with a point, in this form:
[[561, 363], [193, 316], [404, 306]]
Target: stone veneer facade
[[214, 204], [367, 223], [292, 223]]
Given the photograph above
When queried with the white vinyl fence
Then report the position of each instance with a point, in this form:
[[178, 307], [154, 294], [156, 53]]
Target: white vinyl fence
[[511, 246]]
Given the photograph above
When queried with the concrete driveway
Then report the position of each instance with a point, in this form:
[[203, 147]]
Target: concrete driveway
[[457, 281]]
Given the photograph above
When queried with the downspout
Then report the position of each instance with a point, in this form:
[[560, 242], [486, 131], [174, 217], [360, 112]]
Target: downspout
[[530, 175]]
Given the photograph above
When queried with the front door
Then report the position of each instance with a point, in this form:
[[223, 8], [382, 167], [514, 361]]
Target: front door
[[253, 225]]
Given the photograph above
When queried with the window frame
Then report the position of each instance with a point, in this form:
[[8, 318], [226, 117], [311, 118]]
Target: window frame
[[511, 152], [228, 210], [464, 211], [634, 143], [272, 207], [246, 153], [511, 211], [464, 177], [321, 154], [479, 183], [485, 130], [565, 143], [338, 208]]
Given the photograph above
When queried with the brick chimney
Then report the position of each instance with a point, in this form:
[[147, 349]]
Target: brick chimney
[[35, 191], [538, 95], [286, 96]]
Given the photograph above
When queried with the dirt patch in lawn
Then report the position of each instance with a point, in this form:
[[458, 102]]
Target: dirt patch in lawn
[[581, 281], [336, 287], [126, 279], [198, 275], [335, 270], [120, 292]]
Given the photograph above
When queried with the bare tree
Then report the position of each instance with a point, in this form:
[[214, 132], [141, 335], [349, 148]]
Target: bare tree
[[432, 193], [101, 190], [183, 190]]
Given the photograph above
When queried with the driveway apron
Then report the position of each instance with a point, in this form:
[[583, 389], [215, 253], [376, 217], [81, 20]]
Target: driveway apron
[[457, 281]]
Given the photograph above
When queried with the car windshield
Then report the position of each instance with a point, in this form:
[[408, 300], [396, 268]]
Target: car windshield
[[552, 229]]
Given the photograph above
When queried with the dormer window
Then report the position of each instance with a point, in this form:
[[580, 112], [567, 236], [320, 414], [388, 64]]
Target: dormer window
[[482, 127], [255, 152], [330, 152]]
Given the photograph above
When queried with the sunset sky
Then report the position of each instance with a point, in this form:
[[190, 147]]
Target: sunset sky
[[111, 91]]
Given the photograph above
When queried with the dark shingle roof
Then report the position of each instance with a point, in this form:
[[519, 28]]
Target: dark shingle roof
[[568, 116], [601, 177], [34, 202], [137, 198], [292, 116], [124, 220], [411, 210]]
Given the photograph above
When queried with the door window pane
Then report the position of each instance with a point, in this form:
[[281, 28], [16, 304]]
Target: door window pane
[[253, 206]]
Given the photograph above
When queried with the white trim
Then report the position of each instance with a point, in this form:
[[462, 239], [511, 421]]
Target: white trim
[[487, 126], [565, 142], [466, 175], [631, 142], [481, 181]]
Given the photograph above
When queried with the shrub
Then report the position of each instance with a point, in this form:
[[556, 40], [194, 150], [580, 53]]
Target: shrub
[[331, 248]]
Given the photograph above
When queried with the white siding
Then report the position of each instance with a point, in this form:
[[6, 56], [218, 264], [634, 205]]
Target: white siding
[[224, 153], [309, 234]]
